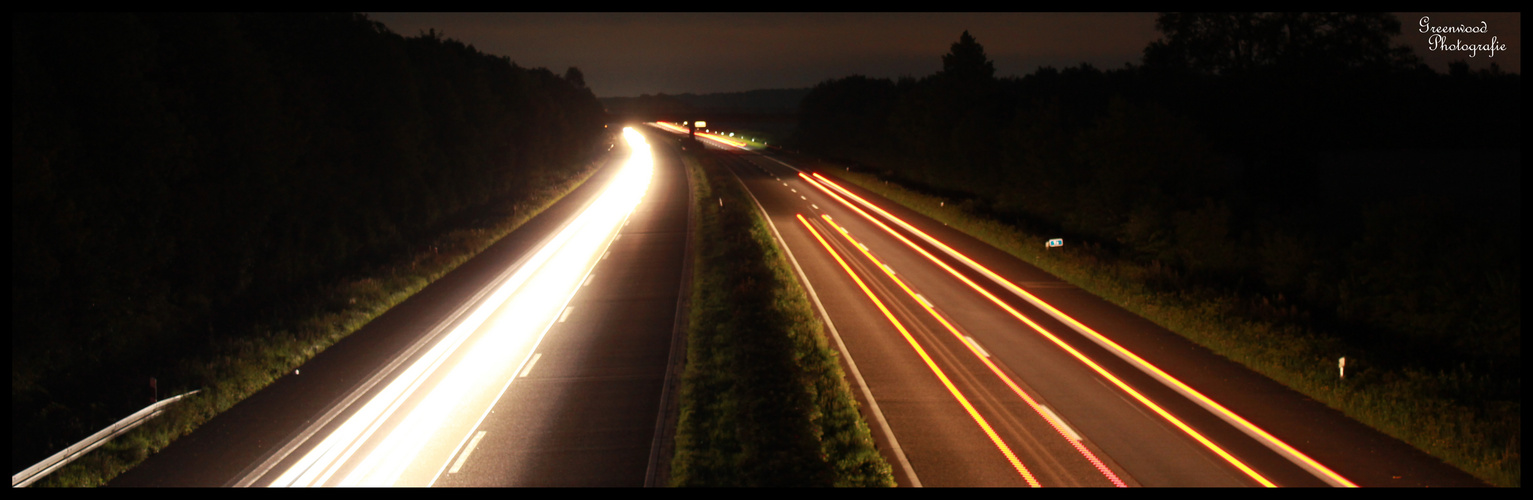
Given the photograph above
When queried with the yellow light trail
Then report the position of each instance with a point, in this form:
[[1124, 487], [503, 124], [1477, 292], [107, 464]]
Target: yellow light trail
[[722, 139], [973, 413], [1252, 428], [671, 127], [1058, 427]]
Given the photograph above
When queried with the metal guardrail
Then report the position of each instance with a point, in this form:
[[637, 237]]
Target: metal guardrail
[[32, 474]]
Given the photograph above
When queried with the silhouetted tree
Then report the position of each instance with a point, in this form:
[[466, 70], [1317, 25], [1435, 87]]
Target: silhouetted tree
[[574, 76], [1230, 43], [177, 174], [967, 60]]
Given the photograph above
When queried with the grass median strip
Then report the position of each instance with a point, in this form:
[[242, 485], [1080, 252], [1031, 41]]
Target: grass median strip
[[1482, 439], [763, 400]]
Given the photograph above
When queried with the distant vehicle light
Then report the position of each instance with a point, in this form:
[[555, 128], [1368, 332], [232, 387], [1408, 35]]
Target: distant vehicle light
[[1056, 242]]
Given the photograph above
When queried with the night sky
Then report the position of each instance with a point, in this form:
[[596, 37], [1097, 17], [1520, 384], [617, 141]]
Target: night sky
[[674, 53]]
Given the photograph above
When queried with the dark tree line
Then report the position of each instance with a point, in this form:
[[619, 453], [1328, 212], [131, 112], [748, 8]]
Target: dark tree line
[[1290, 156], [172, 172]]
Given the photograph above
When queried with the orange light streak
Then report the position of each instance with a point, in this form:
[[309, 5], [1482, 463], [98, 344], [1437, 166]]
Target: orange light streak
[[973, 413], [672, 127], [1079, 447], [720, 138], [1209, 444]]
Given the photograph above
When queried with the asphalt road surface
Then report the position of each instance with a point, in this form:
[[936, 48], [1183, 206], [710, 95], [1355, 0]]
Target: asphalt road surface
[[967, 393], [542, 361]]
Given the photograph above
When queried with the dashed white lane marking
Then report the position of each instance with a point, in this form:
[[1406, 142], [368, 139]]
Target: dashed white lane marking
[[534, 361], [588, 279], [466, 450], [566, 314], [1061, 423], [975, 343]]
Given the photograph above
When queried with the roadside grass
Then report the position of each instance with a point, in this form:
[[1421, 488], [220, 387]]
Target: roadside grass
[[756, 138], [764, 401], [1483, 438], [284, 341]]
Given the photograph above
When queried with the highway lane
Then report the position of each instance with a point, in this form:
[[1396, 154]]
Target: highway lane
[[585, 413], [1147, 450], [438, 360], [1353, 451], [945, 446], [1145, 446]]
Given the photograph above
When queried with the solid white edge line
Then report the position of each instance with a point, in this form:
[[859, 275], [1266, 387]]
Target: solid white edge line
[[456, 466], [894, 444]]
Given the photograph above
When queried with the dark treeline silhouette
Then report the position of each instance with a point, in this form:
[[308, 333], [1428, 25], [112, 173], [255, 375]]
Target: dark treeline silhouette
[[173, 174], [1291, 159]]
